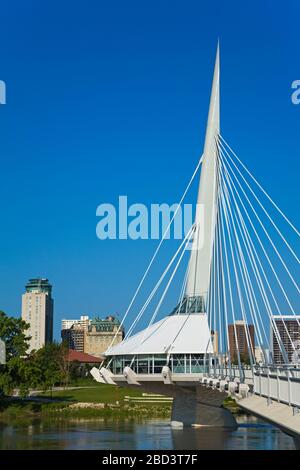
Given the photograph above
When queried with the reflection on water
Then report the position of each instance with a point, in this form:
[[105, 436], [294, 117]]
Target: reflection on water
[[126, 434]]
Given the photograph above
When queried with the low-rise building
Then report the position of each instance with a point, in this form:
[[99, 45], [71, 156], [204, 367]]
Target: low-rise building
[[83, 358], [101, 334]]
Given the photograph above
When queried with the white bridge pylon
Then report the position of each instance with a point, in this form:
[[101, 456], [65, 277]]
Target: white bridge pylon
[[187, 330], [242, 270]]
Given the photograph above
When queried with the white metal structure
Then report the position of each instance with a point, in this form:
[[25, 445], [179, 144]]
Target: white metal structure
[[187, 330], [240, 272], [176, 334], [200, 262]]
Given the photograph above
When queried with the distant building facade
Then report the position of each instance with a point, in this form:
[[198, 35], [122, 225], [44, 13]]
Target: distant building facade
[[289, 333], [215, 341], [37, 310], [238, 341], [72, 332], [100, 334], [259, 354], [74, 337], [83, 322]]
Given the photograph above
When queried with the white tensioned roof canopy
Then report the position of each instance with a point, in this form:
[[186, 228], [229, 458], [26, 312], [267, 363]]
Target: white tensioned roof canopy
[[188, 332], [176, 334]]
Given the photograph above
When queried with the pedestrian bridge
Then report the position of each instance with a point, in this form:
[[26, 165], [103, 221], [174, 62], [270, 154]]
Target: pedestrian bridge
[[228, 333], [272, 393]]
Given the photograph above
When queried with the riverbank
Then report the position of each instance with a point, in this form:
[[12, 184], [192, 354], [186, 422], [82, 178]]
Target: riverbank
[[29, 409], [93, 401], [85, 401]]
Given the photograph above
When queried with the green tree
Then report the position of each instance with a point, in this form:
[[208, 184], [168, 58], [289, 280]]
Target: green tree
[[45, 368], [52, 366], [13, 333]]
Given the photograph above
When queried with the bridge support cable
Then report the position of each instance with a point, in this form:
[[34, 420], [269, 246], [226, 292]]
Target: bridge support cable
[[225, 210], [156, 251], [220, 306], [247, 241], [218, 282], [156, 287], [228, 277], [267, 257], [217, 307], [257, 236], [215, 294], [260, 187], [260, 204], [232, 175], [182, 290], [239, 254], [251, 298], [245, 277], [224, 296], [263, 226], [188, 239], [256, 270], [187, 272], [216, 302], [210, 301], [210, 297], [185, 243]]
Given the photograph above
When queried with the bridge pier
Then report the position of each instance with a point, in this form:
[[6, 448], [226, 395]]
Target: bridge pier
[[200, 407], [194, 404]]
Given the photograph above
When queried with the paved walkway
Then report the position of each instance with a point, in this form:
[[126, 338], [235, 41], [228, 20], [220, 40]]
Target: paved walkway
[[34, 392]]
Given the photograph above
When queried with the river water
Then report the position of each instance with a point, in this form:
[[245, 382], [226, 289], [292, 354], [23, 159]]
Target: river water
[[147, 435]]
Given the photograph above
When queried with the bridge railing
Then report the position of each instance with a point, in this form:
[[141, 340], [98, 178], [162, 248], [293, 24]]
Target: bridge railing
[[279, 383], [232, 373]]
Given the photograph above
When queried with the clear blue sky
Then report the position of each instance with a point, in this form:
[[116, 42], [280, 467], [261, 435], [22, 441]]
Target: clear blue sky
[[109, 98]]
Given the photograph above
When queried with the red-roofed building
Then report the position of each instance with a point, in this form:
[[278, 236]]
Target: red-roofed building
[[83, 358]]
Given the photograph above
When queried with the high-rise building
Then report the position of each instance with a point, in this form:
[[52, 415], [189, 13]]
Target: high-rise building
[[83, 322], [238, 341], [289, 332], [72, 332], [74, 337], [100, 334], [37, 310]]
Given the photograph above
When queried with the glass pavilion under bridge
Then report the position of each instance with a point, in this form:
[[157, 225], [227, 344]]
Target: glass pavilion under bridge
[[180, 341], [154, 363]]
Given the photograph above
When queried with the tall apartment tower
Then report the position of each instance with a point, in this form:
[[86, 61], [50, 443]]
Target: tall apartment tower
[[288, 328], [240, 336], [37, 310]]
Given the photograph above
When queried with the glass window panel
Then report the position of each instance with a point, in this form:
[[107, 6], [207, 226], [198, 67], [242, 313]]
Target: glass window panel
[[178, 363], [143, 364], [159, 363], [197, 363]]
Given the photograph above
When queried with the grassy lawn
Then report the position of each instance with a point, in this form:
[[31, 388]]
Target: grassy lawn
[[58, 405], [90, 392], [97, 393]]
